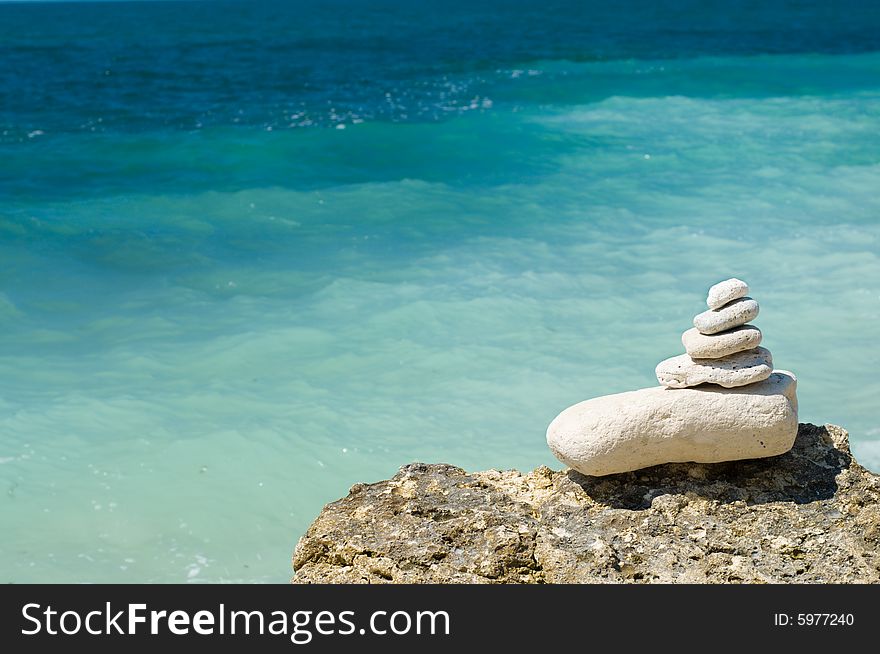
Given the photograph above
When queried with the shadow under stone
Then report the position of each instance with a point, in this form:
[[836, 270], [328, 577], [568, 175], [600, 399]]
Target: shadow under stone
[[804, 474]]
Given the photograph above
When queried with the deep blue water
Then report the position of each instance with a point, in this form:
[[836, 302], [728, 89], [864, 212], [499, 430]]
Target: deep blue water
[[252, 253]]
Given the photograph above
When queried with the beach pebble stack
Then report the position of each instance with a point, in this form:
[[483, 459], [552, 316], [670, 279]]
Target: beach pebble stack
[[721, 348], [720, 401]]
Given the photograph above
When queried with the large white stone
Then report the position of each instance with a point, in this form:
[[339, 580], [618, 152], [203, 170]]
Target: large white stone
[[733, 370], [737, 313], [714, 346], [726, 291], [709, 424]]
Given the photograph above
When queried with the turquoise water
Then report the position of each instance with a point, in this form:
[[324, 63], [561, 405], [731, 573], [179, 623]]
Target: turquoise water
[[254, 253]]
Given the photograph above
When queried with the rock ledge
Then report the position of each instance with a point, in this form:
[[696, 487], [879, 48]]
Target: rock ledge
[[811, 515]]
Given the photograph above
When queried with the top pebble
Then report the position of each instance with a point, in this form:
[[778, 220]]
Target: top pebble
[[726, 291]]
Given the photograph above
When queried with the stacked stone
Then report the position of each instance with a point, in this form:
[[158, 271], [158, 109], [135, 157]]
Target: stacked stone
[[738, 408], [722, 348]]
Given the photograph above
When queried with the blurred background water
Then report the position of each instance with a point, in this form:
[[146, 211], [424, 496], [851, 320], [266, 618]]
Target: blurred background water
[[252, 253]]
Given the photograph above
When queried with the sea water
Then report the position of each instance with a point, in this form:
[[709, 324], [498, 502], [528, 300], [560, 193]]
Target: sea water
[[252, 253]]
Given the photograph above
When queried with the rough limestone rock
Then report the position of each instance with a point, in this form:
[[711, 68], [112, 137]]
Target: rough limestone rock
[[629, 431], [733, 370], [726, 291], [737, 313], [811, 515], [715, 346]]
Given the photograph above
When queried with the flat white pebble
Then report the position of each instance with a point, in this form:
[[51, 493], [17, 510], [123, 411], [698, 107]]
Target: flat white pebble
[[733, 370], [714, 346], [726, 291], [737, 313]]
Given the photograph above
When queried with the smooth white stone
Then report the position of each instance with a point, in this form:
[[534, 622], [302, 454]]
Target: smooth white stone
[[715, 346], [733, 370], [709, 424], [737, 313], [726, 291]]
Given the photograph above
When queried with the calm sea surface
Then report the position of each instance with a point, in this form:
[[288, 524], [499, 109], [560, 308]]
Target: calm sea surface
[[252, 253]]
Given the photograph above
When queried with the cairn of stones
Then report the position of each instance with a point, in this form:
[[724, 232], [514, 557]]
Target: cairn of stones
[[721, 401], [721, 348]]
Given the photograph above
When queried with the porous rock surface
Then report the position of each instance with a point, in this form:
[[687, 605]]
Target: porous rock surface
[[809, 515]]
